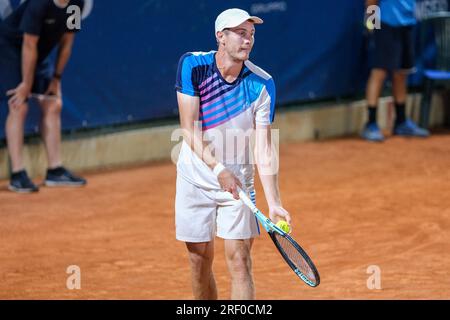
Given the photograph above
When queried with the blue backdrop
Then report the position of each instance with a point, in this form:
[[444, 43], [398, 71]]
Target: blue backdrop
[[125, 58]]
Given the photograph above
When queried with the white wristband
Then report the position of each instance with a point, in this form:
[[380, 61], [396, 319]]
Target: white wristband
[[218, 169]]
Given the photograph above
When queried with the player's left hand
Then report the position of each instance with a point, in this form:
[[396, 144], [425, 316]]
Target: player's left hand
[[277, 213]]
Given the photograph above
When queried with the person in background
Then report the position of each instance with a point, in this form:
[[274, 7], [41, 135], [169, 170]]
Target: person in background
[[27, 36], [393, 55]]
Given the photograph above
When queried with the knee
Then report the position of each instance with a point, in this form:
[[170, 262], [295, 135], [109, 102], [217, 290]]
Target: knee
[[200, 259], [378, 74], [240, 266], [201, 266], [18, 112], [53, 108]]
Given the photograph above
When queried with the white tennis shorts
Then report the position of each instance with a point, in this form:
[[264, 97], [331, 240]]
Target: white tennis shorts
[[202, 214]]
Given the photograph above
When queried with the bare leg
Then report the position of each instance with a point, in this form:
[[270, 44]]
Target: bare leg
[[237, 254], [15, 123], [51, 131], [201, 256], [399, 87], [374, 86]]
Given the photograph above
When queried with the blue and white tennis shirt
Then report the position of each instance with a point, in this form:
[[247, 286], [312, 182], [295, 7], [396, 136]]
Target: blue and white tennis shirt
[[226, 110]]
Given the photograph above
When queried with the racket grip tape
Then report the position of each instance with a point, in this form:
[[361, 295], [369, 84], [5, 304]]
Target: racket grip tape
[[246, 199]]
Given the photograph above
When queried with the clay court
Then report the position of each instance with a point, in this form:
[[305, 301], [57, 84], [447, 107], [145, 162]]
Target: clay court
[[354, 204]]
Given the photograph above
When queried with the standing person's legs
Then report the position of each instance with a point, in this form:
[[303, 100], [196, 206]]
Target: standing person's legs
[[374, 87], [399, 90], [195, 223], [15, 123], [237, 254], [10, 78], [400, 76], [199, 215], [51, 109], [201, 256], [51, 119], [51, 131], [399, 87], [404, 126], [237, 224], [386, 54]]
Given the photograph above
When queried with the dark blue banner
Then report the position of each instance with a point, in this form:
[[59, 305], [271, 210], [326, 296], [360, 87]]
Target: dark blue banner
[[125, 57]]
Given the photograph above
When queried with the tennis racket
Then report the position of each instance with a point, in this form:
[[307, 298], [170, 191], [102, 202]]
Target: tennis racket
[[290, 250]]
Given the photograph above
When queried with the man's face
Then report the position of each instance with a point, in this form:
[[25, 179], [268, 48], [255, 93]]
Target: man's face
[[238, 41]]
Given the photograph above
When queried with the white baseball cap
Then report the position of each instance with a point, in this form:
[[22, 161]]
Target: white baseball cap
[[233, 17]]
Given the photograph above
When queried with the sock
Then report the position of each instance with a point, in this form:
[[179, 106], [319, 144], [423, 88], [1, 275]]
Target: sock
[[400, 113], [372, 114]]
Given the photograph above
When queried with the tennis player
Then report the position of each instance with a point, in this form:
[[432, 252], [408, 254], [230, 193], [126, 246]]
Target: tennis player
[[27, 37], [222, 96]]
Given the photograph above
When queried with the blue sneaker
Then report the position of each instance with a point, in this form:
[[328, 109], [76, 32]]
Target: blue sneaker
[[63, 177], [21, 183], [372, 132], [410, 129]]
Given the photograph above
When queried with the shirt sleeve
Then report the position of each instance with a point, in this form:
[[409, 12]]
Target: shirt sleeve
[[265, 109], [33, 17], [185, 82]]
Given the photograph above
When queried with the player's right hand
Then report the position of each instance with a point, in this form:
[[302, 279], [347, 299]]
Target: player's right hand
[[229, 182], [19, 95]]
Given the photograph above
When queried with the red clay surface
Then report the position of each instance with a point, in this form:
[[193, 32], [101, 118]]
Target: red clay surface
[[354, 204]]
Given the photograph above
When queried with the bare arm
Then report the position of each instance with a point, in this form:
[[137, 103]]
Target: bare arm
[[29, 58], [267, 163], [193, 136], [64, 52]]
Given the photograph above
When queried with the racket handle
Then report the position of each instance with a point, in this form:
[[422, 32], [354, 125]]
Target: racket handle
[[246, 200]]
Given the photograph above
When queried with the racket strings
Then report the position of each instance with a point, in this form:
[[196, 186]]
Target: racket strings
[[295, 257]]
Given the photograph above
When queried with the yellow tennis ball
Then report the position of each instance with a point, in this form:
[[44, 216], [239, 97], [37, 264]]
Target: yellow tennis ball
[[283, 225], [370, 25]]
